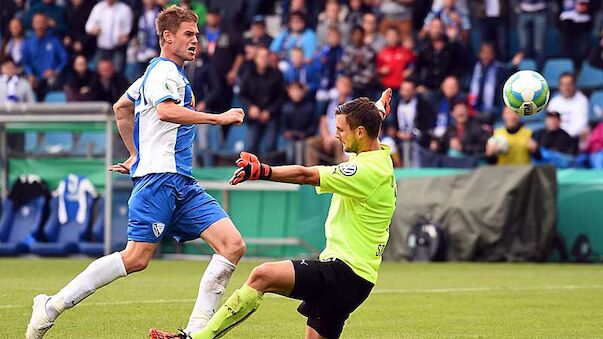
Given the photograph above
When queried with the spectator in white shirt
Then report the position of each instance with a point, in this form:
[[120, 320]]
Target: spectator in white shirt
[[14, 88], [572, 105], [111, 22]]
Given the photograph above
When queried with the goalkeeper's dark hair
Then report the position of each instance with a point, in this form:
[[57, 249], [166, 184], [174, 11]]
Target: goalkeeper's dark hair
[[362, 112]]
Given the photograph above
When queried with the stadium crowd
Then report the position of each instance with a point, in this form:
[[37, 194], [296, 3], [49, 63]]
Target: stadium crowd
[[445, 59]]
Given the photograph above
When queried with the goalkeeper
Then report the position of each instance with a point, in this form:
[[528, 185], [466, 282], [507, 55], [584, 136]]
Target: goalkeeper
[[357, 229]]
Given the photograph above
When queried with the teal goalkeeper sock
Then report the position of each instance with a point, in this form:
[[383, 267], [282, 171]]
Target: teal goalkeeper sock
[[240, 305]]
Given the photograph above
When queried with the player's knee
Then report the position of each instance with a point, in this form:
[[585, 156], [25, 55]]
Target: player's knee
[[140, 264], [137, 265], [233, 250], [260, 277], [238, 248], [134, 263]]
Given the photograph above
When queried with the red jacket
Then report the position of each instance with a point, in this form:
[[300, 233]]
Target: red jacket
[[397, 59], [595, 141]]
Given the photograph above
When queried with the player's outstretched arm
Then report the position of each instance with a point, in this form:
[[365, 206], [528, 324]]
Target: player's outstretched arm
[[169, 111], [296, 174], [250, 168]]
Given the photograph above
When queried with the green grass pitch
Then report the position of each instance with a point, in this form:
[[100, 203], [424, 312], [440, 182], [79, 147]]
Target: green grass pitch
[[409, 301]]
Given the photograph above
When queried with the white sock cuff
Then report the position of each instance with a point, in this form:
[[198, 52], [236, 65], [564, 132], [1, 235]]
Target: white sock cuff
[[223, 260], [118, 263]]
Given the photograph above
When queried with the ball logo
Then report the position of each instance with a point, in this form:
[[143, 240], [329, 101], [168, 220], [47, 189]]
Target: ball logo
[[527, 109], [158, 228], [348, 168]]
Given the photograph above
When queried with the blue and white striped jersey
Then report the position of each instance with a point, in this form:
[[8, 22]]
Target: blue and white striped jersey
[[163, 147]]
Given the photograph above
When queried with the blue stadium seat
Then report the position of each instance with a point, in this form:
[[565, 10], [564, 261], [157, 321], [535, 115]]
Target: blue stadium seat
[[553, 68], [235, 141], [57, 142], [538, 117], [264, 143], [119, 224], [56, 97], [527, 64], [590, 77], [62, 239], [214, 137], [91, 143], [17, 227], [31, 142], [596, 106], [48, 142], [212, 143]]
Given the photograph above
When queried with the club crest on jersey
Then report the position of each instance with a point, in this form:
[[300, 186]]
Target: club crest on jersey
[[348, 168], [158, 228]]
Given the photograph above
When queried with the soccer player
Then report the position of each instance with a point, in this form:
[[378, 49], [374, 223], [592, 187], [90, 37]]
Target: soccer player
[[357, 229], [165, 197]]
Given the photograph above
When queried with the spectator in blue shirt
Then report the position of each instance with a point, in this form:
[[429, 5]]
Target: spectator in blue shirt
[[295, 70], [297, 35], [328, 62], [43, 57], [486, 85]]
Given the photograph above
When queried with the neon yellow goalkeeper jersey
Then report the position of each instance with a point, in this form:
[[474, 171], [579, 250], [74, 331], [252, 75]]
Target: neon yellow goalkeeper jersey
[[364, 198]]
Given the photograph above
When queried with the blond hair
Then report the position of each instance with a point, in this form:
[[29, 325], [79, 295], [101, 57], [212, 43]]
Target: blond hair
[[171, 18]]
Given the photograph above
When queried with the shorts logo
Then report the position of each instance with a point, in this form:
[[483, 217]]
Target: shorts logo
[[348, 168], [158, 228], [328, 260]]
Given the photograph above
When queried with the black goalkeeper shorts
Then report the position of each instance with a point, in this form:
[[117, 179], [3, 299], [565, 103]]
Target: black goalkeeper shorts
[[330, 291]]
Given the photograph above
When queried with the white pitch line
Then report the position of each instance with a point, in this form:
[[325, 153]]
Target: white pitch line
[[378, 291], [486, 289], [116, 303]]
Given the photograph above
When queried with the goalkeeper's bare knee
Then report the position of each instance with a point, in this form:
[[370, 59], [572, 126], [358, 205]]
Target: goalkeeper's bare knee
[[270, 277]]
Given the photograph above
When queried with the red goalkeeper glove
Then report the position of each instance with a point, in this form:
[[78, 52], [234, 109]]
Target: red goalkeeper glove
[[250, 168], [384, 103]]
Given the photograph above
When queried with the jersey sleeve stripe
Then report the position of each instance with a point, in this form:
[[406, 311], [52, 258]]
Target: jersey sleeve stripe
[[170, 97]]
